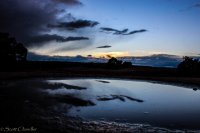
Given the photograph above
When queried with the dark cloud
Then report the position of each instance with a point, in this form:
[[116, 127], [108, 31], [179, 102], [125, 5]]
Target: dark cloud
[[114, 31], [136, 31], [73, 45], [69, 2], [78, 58], [105, 46], [197, 5], [47, 38], [26, 18], [74, 24], [121, 32], [108, 29]]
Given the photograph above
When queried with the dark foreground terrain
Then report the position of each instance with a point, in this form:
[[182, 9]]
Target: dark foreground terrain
[[30, 69], [19, 114]]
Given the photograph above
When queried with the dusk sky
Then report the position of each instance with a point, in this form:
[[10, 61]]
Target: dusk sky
[[104, 27]]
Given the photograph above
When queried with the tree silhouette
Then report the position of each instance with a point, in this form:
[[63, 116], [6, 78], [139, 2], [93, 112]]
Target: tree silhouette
[[189, 66], [114, 61], [127, 64], [21, 52], [11, 50]]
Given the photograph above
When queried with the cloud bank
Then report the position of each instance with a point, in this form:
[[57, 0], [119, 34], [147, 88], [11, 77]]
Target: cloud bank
[[160, 60], [28, 19]]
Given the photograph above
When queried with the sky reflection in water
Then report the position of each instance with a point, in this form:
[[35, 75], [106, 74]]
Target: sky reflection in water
[[160, 105]]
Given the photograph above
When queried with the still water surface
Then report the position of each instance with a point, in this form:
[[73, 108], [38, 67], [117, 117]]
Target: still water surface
[[133, 102]]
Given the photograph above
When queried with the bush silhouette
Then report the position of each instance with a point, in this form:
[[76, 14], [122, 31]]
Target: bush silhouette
[[189, 66], [127, 64], [113, 62], [11, 50]]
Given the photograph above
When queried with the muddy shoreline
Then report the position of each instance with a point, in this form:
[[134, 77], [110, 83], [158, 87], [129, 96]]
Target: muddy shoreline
[[190, 82]]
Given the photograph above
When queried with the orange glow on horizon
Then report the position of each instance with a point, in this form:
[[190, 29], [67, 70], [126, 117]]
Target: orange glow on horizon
[[110, 54]]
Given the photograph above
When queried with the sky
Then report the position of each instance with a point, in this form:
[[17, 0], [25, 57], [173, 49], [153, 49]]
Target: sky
[[104, 27]]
